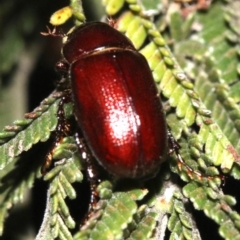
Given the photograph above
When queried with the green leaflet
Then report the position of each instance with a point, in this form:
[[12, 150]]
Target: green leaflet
[[114, 214], [221, 67], [43, 121], [213, 209], [57, 219]]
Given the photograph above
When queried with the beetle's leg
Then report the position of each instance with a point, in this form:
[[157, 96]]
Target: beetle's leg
[[62, 130], [92, 173], [174, 147]]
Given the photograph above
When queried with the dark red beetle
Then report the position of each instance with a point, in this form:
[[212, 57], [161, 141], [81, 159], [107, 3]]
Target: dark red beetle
[[116, 101]]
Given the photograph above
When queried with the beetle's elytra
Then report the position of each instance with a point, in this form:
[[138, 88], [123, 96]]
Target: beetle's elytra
[[116, 102]]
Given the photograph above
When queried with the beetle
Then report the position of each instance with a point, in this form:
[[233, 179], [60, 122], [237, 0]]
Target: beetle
[[116, 102]]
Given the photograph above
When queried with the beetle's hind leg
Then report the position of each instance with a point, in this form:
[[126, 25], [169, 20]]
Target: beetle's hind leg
[[174, 147], [91, 171]]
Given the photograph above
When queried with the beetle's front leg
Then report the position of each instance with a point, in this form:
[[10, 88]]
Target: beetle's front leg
[[62, 130]]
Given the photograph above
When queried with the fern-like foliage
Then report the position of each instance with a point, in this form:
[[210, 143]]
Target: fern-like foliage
[[57, 219], [194, 59]]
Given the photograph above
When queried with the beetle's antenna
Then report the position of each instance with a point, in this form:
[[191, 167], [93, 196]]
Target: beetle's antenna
[[53, 32]]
